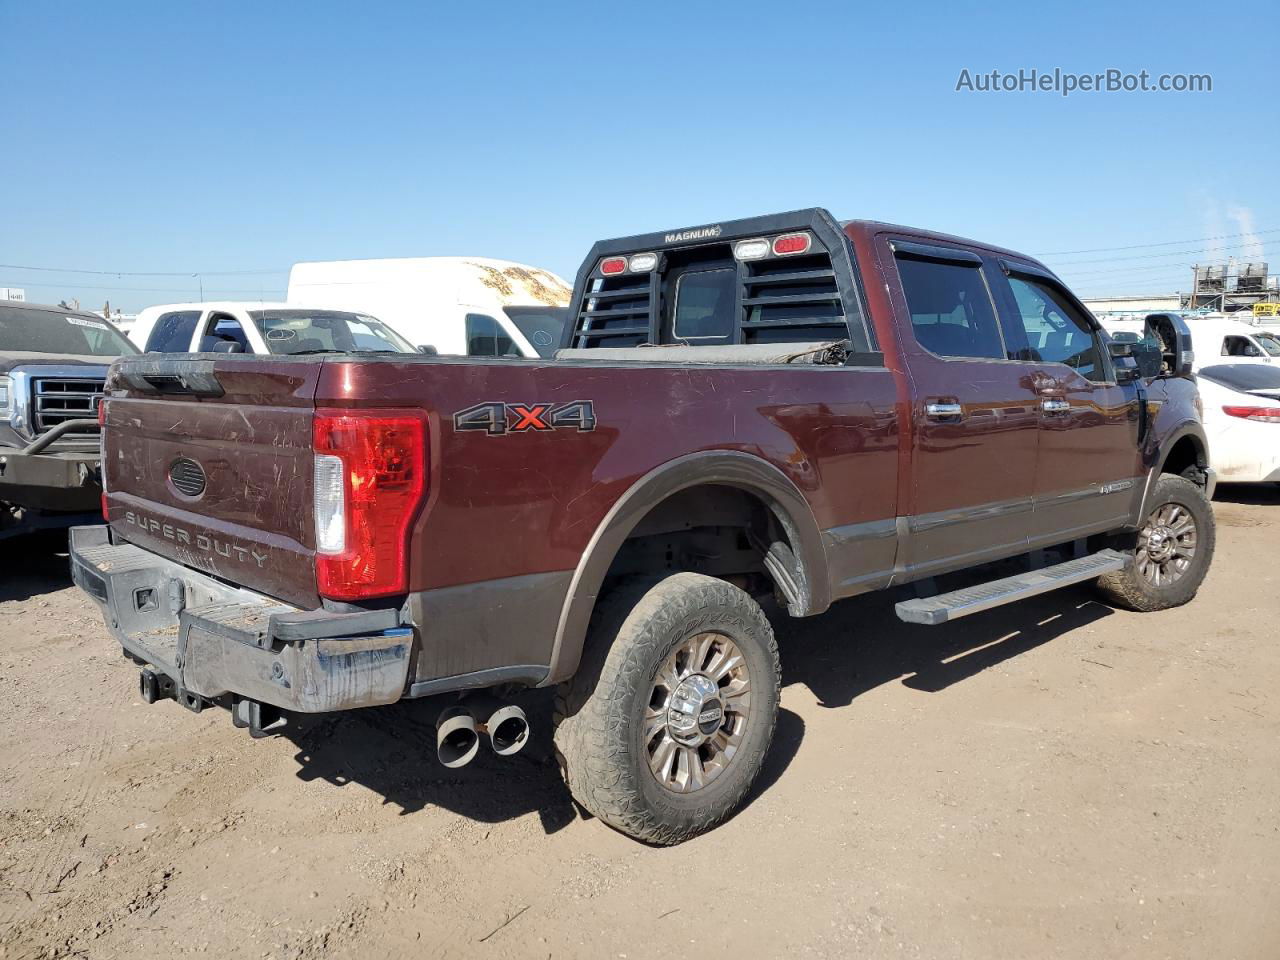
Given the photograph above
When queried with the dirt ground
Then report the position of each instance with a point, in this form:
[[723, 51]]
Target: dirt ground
[[1052, 779]]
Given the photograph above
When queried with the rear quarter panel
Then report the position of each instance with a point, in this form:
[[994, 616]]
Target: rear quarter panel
[[523, 503]]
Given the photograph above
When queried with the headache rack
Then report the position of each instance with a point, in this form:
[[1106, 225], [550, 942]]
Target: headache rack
[[793, 276]]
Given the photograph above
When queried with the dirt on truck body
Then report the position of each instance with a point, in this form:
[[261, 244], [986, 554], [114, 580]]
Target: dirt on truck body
[[783, 406]]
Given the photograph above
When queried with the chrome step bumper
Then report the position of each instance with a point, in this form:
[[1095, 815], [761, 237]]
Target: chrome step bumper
[[213, 640]]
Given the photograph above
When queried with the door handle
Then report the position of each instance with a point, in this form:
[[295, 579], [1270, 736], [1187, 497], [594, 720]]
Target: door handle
[[943, 411], [1054, 406]]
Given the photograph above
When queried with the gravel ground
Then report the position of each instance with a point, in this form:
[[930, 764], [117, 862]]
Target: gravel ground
[[1052, 779]]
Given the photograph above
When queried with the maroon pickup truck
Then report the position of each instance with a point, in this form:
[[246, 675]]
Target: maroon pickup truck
[[784, 406]]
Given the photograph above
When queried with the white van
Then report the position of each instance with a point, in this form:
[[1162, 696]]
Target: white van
[[458, 305], [253, 327]]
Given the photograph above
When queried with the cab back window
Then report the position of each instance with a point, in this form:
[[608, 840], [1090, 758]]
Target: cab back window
[[173, 331], [704, 305]]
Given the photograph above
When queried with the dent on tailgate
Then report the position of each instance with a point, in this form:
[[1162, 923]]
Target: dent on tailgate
[[252, 522]]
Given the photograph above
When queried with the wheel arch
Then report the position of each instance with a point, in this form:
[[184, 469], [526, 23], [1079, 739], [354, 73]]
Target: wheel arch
[[809, 589], [1185, 446]]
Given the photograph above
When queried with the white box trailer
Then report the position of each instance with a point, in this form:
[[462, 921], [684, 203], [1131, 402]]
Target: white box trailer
[[460, 305]]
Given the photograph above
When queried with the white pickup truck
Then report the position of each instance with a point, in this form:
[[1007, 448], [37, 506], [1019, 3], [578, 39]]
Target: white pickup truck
[[261, 328]]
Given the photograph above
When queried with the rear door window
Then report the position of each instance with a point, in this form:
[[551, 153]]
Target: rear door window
[[1237, 346], [704, 305], [951, 312], [485, 338], [173, 332], [223, 328]]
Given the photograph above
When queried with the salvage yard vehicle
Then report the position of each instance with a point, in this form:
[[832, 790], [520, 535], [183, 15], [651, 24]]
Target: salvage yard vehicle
[[1214, 337], [1242, 420], [260, 327], [1241, 342], [475, 306], [53, 367], [781, 406]]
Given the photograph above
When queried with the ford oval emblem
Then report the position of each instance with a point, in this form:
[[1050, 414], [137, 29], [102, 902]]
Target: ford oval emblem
[[187, 477]]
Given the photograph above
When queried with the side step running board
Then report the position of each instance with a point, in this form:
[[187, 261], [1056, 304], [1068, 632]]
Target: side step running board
[[960, 603]]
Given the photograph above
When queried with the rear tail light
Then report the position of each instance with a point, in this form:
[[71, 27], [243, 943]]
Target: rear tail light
[[102, 412], [792, 243], [1261, 414], [613, 265], [642, 262], [370, 479]]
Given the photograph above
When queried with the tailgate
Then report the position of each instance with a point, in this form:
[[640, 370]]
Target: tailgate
[[209, 463]]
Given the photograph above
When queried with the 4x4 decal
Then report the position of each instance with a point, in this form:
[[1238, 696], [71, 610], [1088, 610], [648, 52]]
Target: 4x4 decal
[[497, 419]]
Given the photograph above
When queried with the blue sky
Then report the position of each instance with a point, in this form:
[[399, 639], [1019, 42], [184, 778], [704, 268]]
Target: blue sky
[[244, 137]]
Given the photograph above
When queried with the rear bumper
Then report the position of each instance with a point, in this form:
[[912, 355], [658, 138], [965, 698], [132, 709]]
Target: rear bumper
[[215, 641]]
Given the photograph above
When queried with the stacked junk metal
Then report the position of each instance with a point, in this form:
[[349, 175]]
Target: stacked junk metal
[[459, 727]]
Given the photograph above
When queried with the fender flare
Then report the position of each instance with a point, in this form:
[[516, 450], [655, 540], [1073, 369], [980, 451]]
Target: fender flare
[[718, 467], [1188, 428]]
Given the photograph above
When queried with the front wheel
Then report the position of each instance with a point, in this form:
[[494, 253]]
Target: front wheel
[[667, 721], [1170, 554]]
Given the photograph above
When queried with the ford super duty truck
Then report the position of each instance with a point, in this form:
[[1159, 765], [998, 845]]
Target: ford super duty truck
[[784, 406], [53, 367]]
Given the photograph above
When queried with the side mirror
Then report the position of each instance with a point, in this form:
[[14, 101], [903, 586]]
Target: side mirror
[[429, 350], [1174, 337], [1134, 360], [227, 346], [1127, 370], [1184, 357], [1122, 360]]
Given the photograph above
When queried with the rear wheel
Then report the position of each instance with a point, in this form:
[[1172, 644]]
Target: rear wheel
[[1170, 554], [666, 724]]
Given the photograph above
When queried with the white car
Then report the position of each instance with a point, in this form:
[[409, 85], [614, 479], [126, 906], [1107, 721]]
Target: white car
[[1242, 420], [252, 327]]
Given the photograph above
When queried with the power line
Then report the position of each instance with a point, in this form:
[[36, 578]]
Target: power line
[[1169, 243], [1171, 267], [133, 273], [1151, 256], [95, 286]]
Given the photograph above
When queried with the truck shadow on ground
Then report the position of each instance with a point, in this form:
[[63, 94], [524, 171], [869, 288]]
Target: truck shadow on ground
[[1250, 494], [856, 646], [391, 751], [32, 565], [860, 644]]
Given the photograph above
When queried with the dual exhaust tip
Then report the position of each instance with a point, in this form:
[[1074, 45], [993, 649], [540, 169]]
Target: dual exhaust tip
[[458, 730]]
